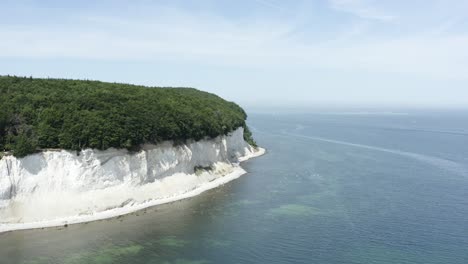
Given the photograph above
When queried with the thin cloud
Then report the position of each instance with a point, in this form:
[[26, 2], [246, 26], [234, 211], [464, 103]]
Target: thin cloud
[[362, 9], [270, 4], [181, 36]]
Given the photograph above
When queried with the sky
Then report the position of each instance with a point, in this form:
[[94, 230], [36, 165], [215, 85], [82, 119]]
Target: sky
[[274, 53]]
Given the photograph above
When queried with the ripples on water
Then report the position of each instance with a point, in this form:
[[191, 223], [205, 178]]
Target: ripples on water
[[332, 189]]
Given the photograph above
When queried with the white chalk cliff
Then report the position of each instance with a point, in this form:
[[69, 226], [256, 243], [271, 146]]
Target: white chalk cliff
[[54, 188]]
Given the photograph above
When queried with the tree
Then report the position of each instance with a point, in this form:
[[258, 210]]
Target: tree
[[74, 114], [23, 146]]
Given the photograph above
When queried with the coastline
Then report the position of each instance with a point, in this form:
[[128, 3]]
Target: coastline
[[119, 211]]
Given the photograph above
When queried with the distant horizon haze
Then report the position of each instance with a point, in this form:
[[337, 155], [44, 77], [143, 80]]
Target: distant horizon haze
[[258, 53]]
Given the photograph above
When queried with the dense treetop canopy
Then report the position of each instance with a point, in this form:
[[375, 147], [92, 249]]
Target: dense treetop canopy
[[77, 114]]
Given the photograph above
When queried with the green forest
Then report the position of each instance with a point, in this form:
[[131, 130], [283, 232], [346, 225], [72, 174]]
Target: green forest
[[37, 114]]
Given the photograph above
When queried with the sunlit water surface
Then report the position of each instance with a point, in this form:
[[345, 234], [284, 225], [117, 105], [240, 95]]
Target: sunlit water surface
[[333, 188]]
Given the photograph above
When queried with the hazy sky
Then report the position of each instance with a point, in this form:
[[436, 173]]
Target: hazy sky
[[254, 52]]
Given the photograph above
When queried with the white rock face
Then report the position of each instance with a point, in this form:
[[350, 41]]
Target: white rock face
[[57, 187]]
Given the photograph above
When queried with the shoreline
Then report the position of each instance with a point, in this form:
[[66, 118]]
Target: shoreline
[[112, 213]]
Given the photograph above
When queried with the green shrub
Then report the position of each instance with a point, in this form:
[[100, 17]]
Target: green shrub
[[78, 114]]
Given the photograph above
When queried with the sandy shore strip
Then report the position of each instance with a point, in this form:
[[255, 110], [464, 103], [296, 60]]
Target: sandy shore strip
[[236, 173]]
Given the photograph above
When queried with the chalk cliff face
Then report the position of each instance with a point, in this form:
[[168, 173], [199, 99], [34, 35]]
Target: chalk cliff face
[[60, 185]]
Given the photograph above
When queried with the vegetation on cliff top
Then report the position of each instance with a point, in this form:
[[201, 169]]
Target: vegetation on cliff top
[[78, 114]]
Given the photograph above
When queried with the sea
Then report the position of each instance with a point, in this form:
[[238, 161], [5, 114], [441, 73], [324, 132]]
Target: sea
[[335, 187]]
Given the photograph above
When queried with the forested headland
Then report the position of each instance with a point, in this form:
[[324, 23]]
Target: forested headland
[[78, 114]]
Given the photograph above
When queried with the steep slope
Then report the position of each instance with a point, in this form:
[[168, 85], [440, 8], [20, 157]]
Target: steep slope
[[77, 151], [59, 187]]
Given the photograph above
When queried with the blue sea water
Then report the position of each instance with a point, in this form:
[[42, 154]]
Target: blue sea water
[[333, 188]]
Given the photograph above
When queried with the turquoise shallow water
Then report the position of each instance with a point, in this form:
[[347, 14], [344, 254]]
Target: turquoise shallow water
[[333, 188]]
